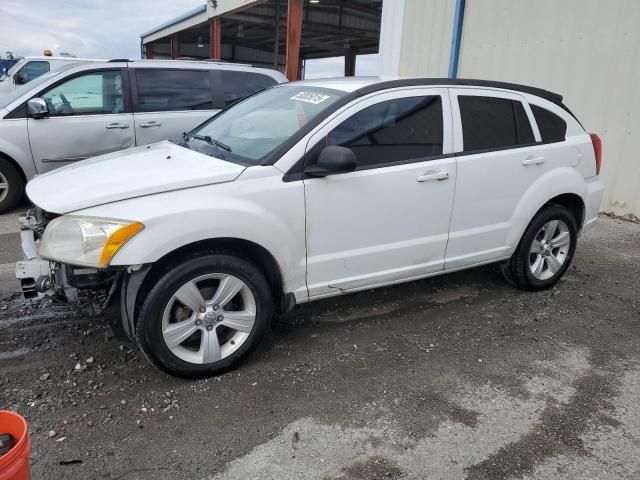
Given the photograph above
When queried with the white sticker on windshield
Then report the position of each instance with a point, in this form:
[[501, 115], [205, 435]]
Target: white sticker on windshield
[[310, 97]]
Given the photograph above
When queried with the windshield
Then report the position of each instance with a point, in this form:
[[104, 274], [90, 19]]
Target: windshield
[[22, 89], [255, 127]]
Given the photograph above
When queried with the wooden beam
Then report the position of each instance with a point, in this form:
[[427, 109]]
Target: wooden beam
[[276, 43], [215, 38], [175, 46], [294, 35]]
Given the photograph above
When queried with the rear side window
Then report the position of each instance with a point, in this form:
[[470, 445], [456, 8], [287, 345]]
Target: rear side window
[[33, 70], [552, 127], [493, 123], [237, 84], [393, 131], [167, 90]]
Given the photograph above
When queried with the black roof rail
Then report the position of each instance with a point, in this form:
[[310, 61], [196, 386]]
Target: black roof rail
[[119, 60]]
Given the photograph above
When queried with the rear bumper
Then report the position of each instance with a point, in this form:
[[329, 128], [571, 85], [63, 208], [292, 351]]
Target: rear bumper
[[593, 200]]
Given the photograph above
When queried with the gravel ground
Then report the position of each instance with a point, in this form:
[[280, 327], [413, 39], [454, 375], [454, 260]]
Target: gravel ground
[[459, 376]]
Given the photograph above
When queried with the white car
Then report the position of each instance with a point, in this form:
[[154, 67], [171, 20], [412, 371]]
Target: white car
[[88, 109], [30, 68], [309, 190]]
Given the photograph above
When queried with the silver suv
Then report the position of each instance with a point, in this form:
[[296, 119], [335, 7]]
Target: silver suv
[[88, 109]]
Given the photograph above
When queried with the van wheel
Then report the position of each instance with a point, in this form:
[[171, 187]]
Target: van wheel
[[11, 186], [203, 314], [545, 250]]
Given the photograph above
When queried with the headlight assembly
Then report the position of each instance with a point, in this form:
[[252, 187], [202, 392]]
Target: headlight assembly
[[86, 241]]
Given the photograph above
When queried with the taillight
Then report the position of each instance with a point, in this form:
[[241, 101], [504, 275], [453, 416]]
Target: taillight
[[597, 148]]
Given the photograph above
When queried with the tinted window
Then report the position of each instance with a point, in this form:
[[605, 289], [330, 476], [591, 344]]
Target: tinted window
[[33, 70], [552, 127], [237, 84], [489, 122], [166, 90], [393, 131], [90, 94]]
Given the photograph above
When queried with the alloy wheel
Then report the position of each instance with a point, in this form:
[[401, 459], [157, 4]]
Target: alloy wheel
[[4, 187], [549, 249], [209, 318]]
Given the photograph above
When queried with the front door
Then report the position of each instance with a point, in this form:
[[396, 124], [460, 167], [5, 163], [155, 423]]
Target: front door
[[89, 115], [388, 220]]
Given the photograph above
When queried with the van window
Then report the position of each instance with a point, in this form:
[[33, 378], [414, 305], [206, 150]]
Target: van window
[[552, 127], [393, 131], [167, 90], [492, 123], [95, 93], [32, 70], [237, 84]]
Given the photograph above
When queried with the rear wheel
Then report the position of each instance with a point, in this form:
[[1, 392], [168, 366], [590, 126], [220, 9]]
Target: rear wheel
[[545, 250], [203, 315], [11, 186]]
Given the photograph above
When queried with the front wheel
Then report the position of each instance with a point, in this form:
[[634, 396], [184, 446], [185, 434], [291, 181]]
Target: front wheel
[[204, 314], [11, 186], [545, 250]]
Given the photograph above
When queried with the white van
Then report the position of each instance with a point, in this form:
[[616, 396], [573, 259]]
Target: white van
[[30, 68]]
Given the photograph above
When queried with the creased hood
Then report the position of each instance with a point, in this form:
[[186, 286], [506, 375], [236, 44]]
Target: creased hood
[[131, 173]]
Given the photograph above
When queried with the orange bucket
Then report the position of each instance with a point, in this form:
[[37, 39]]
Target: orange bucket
[[14, 465]]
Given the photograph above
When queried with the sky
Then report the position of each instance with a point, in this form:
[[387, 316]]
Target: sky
[[110, 29]]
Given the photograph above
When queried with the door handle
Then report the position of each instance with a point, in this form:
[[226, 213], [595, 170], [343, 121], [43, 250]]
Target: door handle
[[114, 126], [150, 124], [431, 176], [533, 161]]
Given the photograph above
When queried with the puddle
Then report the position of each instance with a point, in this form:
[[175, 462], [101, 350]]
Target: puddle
[[15, 353]]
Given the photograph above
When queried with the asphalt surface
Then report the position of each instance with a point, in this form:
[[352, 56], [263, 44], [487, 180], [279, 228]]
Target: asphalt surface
[[459, 376]]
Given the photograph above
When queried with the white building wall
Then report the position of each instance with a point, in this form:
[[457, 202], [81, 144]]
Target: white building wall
[[586, 50], [426, 38]]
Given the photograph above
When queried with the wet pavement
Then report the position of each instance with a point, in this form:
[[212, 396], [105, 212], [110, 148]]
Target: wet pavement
[[459, 376]]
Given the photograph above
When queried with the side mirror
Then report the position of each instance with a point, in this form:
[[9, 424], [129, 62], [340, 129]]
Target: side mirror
[[333, 160], [18, 79], [37, 108]]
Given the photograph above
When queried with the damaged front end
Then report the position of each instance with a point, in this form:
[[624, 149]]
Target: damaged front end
[[40, 277]]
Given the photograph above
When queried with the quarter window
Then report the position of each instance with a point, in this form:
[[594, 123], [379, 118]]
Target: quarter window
[[552, 127], [393, 131], [91, 94], [32, 70], [167, 90], [492, 123], [237, 84]]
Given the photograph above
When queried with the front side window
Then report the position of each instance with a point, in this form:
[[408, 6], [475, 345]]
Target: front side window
[[552, 127], [393, 131], [238, 84], [31, 71], [252, 129], [95, 93], [493, 123], [170, 90]]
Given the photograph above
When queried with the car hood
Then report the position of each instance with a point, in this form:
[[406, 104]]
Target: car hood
[[126, 174]]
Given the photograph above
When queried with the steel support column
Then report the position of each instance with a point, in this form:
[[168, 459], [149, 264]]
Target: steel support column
[[215, 39], [294, 37], [175, 46]]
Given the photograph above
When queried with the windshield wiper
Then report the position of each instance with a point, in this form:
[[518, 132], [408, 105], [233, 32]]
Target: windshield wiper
[[213, 141]]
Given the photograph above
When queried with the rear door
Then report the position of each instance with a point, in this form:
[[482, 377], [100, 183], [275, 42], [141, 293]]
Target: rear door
[[238, 84], [89, 114], [169, 102], [498, 160]]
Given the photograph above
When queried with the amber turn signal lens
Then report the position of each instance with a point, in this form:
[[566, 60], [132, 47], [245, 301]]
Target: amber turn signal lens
[[117, 239]]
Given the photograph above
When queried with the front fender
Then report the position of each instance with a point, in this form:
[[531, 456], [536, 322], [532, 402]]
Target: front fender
[[556, 182], [14, 143]]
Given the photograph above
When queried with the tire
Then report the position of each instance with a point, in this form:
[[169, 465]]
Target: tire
[[12, 194], [539, 265], [189, 350]]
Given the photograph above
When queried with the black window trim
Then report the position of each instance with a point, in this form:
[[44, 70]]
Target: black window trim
[[214, 81], [21, 110]]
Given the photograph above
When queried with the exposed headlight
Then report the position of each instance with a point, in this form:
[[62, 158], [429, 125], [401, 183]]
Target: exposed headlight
[[86, 241]]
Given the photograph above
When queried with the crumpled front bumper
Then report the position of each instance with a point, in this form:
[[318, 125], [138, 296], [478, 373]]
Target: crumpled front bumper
[[34, 273]]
